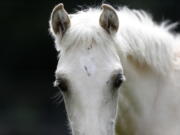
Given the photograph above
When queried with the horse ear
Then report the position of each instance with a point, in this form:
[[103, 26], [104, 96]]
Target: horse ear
[[59, 21], [109, 19]]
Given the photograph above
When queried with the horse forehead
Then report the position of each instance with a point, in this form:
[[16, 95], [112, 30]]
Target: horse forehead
[[88, 64]]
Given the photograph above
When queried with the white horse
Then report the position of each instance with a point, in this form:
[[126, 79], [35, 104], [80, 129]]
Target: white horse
[[98, 50]]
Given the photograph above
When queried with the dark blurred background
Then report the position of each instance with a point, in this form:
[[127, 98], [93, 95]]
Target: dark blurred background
[[28, 61]]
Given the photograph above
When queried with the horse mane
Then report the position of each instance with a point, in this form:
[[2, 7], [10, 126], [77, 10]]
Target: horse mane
[[139, 36], [147, 41]]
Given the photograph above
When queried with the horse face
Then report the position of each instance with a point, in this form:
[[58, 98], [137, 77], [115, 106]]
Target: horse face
[[89, 73], [90, 84]]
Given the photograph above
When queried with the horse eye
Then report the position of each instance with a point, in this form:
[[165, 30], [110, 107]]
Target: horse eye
[[117, 80], [61, 84]]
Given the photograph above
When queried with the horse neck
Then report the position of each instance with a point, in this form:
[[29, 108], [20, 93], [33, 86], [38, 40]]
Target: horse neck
[[144, 96], [147, 55]]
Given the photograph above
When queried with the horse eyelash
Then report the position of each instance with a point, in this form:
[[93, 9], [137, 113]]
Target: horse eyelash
[[57, 98]]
